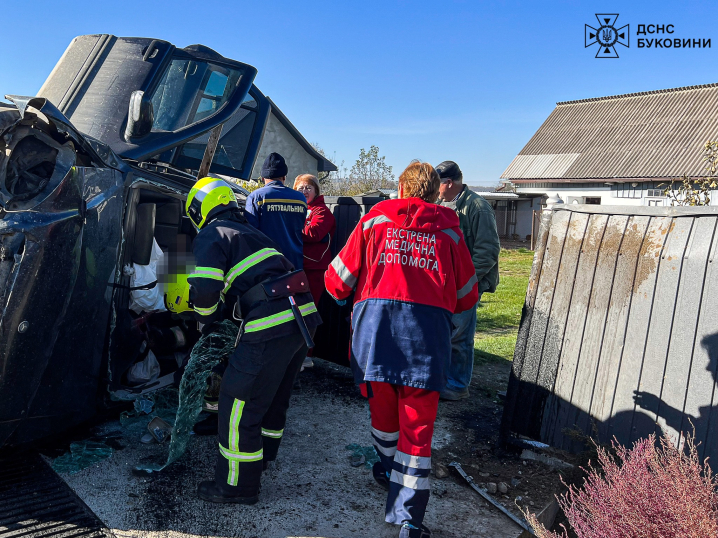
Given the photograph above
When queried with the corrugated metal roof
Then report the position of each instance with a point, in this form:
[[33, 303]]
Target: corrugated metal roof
[[481, 188], [499, 195], [656, 134]]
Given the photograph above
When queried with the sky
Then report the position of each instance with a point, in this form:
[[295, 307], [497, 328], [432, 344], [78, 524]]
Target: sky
[[468, 81]]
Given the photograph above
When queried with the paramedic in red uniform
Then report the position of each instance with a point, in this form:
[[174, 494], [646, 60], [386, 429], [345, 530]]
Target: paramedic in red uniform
[[411, 270]]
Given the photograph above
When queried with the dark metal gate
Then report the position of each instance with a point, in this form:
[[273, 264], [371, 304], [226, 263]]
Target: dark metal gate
[[505, 213], [35, 502], [332, 338]]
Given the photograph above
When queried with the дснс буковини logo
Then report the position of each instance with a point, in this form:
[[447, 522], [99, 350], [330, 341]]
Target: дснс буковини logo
[[606, 35]]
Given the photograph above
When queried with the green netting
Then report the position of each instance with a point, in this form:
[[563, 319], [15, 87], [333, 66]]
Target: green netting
[[205, 355], [369, 452], [81, 455], [161, 404]]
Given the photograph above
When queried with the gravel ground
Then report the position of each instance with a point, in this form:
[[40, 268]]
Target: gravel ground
[[311, 492]]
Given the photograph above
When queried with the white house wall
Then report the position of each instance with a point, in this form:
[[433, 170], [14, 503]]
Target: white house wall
[[524, 214], [278, 139], [568, 193]]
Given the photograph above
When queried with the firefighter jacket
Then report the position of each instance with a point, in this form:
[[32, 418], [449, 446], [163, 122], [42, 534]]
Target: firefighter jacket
[[411, 270], [318, 234], [231, 257], [279, 213]]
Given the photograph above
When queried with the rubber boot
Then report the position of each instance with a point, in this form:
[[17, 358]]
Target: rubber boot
[[208, 491]]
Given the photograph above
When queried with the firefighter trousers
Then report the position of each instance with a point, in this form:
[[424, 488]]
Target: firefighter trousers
[[253, 403], [402, 425]]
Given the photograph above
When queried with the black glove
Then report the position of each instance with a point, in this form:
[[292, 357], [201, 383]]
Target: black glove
[[209, 328]]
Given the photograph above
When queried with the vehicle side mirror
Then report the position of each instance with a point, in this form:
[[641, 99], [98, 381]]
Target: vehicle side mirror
[[140, 116]]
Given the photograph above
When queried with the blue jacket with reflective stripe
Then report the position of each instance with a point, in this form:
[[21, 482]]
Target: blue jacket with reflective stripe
[[279, 212]]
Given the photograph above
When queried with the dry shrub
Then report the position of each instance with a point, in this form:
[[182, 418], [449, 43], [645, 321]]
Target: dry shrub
[[648, 491]]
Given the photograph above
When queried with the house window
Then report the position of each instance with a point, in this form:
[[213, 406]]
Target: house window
[[655, 202], [656, 193], [627, 190], [595, 200]]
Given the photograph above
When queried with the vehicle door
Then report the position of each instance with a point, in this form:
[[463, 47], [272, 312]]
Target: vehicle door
[[60, 226]]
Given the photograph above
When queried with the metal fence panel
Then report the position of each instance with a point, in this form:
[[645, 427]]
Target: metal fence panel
[[619, 333]]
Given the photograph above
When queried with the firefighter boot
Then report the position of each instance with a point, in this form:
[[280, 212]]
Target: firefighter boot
[[410, 531], [208, 491]]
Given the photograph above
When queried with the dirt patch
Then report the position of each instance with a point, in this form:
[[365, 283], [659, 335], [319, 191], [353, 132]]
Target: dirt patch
[[312, 489], [473, 424], [476, 422]]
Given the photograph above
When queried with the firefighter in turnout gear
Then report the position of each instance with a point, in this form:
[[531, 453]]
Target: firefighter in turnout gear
[[411, 270], [241, 275]]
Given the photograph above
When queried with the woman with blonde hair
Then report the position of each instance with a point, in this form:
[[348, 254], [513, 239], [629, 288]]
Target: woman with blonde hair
[[317, 234]]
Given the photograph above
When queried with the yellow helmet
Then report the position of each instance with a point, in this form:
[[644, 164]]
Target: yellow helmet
[[177, 294], [206, 195]]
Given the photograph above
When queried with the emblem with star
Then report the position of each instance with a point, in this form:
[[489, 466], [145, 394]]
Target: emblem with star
[[606, 36]]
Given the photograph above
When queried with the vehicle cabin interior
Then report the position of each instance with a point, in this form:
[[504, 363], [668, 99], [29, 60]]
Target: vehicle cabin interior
[[150, 345]]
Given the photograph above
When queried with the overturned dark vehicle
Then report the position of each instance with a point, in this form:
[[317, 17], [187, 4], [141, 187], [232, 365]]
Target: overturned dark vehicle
[[94, 172]]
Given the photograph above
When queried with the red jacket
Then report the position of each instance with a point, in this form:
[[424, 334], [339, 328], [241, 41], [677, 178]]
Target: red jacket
[[317, 234], [411, 269]]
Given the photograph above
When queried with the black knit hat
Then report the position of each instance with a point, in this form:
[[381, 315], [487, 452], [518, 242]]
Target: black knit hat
[[274, 166], [449, 170]]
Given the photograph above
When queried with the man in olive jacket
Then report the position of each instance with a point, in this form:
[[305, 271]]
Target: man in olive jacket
[[478, 224]]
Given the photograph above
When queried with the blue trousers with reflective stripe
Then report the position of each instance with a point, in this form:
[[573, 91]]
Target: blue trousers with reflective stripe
[[406, 503], [408, 494]]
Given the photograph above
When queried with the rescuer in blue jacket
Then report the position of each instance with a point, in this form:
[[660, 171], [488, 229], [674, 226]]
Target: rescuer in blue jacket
[[278, 211]]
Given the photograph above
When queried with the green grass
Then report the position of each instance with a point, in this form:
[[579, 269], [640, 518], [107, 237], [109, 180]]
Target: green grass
[[499, 313]]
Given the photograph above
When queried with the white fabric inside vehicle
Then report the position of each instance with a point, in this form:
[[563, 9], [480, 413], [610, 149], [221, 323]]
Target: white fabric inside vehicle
[[153, 298]]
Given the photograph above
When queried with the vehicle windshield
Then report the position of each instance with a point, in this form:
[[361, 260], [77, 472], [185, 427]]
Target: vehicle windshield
[[191, 91]]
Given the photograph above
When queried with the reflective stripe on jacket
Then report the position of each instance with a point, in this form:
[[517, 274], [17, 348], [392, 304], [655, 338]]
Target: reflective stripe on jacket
[[279, 213], [411, 270], [231, 257]]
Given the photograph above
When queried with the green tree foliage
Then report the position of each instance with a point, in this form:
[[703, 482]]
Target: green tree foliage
[[370, 172], [696, 191]]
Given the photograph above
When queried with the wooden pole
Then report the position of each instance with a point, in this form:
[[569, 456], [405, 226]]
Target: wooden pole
[[209, 151]]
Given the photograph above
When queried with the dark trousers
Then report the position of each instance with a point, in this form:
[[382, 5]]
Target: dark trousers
[[253, 403]]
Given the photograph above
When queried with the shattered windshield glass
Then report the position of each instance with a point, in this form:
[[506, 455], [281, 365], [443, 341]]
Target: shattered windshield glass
[[191, 91]]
